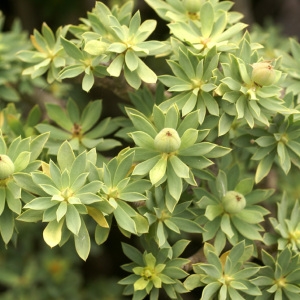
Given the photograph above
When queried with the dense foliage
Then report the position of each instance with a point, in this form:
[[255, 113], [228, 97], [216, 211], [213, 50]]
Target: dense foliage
[[204, 151]]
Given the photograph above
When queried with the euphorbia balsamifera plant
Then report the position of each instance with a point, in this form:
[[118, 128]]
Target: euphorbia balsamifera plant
[[196, 174]]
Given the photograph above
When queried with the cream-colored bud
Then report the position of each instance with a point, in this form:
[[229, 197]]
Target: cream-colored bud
[[167, 140], [233, 202], [263, 73]]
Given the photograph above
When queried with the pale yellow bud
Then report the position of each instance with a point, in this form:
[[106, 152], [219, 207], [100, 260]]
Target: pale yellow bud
[[263, 73], [233, 202], [167, 140]]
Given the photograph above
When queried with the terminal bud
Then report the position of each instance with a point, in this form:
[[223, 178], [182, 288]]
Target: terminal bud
[[233, 202], [167, 140]]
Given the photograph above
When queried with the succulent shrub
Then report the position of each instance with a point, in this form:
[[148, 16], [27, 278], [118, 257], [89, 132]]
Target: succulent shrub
[[187, 164]]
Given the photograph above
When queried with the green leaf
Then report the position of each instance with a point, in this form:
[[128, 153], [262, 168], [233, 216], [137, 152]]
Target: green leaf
[[73, 220], [30, 216], [98, 216], [101, 234], [159, 170], [141, 123], [123, 168], [245, 186], [225, 123], [187, 225], [132, 253], [124, 220], [179, 247], [180, 168], [117, 47], [207, 19], [193, 281], [55, 133], [172, 226], [51, 190], [71, 49], [131, 60], [226, 226], [250, 231], [61, 210], [186, 64], [116, 66], [78, 168], [83, 242], [197, 149], [213, 211], [22, 161], [71, 71], [234, 294], [91, 115], [174, 183], [142, 139], [188, 138], [172, 117], [132, 78], [48, 35], [210, 290], [7, 225], [52, 233], [145, 73], [88, 81], [264, 167], [95, 47], [39, 41], [13, 203], [221, 183], [175, 272], [37, 144], [65, 156], [58, 115], [250, 216]]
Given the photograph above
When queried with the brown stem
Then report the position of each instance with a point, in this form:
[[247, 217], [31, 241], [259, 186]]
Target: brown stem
[[197, 257]]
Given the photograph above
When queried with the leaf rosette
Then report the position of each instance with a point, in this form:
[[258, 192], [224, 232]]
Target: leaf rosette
[[16, 160], [83, 130], [64, 195], [227, 276], [238, 222], [154, 270], [193, 83], [286, 226], [165, 223], [171, 167], [120, 189], [278, 278], [242, 97]]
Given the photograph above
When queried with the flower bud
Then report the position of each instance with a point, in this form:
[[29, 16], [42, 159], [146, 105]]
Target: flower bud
[[233, 202], [7, 167], [167, 140], [263, 74], [192, 6]]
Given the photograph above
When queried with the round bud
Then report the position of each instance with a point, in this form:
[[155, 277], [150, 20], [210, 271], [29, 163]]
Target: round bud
[[233, 202], [7, 167], [263, 73], [167, 140], [192, 6]]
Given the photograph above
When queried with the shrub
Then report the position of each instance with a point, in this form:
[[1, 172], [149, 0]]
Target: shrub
[[199, 152]]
